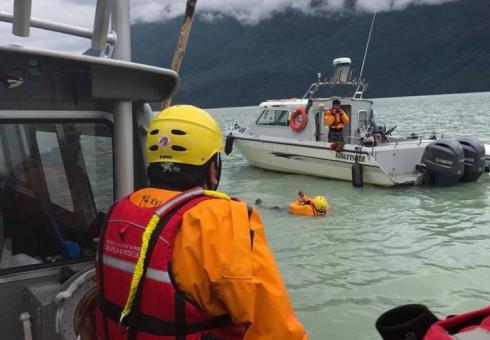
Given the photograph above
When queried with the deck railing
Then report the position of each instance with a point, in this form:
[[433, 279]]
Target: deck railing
[[21, 22], [394, 139]]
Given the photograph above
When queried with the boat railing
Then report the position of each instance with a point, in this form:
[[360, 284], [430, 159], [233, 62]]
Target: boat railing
[[103, 41], [360, 86], [424, 135], [383, 140]]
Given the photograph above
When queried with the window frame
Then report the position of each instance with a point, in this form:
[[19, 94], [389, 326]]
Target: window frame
[[365, 120], [274, 112], [65, 117]]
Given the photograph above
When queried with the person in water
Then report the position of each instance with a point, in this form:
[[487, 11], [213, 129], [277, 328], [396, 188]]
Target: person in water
[[179, 259], [336, 119], [304, 205]]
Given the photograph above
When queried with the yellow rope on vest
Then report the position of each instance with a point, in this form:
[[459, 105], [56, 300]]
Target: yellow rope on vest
[[216, 194], [138, 269], [145, 239]]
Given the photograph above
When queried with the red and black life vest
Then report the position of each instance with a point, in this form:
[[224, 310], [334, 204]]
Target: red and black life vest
[[474, 325], [159, 309]]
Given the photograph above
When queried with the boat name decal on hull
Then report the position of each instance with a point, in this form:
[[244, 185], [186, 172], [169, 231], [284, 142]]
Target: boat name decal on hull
[[342, 158], [350, 157]]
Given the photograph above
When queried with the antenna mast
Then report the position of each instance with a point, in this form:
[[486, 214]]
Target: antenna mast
[[365, 54]]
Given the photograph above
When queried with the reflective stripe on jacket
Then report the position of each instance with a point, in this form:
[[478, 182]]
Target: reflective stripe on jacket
[[159, 310]]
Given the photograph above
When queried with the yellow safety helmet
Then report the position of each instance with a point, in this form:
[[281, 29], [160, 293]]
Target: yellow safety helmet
[[183, 134], [320, 203]]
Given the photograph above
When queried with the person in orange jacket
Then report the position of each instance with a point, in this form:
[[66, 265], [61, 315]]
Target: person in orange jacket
[[180, 260], [304, 205], [336, 119]]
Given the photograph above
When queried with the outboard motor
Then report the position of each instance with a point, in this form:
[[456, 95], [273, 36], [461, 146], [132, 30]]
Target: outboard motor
[[442, 162], [474, 159]]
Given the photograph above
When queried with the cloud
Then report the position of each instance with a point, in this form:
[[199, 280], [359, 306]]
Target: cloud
[[253, 11], [71, 12], [387, 5], [248, 12]]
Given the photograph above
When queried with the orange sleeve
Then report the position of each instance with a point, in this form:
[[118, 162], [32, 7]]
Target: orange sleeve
[[345, 117], [328, 118], [217, 266]]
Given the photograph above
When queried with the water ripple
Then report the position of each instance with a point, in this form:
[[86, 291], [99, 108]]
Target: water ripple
[[378, 248]]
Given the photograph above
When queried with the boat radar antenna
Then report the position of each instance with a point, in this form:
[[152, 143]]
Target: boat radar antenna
[[361, 87]]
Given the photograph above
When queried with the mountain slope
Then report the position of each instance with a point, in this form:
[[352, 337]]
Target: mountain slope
[[421, 50]]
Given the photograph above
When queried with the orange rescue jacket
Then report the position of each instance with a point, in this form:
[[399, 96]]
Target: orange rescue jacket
[[335, 120], [222, 262]]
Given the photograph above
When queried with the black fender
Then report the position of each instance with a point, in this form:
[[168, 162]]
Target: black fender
[[229, 144]]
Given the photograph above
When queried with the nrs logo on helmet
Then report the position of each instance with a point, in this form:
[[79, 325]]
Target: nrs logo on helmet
[[164, 141]]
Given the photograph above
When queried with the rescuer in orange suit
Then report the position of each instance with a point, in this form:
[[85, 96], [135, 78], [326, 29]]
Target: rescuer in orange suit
[[335, 118], [207, 269]]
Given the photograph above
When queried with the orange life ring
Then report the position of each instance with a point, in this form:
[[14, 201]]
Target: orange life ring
[[298, 119], [295, 208]]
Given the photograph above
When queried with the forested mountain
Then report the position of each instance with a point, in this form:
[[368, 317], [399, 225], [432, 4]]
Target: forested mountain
[[420, 50]]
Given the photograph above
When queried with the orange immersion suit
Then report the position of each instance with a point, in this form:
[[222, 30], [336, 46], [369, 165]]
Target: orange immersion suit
[[303, 205]]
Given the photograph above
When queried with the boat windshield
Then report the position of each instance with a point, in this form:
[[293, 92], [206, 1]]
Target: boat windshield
[[278, 117], [56, 180]]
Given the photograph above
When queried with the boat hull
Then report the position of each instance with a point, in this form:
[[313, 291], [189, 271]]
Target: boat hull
[[312, 160]]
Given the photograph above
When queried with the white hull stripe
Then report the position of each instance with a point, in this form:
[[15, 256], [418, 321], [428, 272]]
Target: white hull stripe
[[126, 266]]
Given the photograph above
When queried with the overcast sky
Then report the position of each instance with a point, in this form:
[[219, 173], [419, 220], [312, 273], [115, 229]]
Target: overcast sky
[[248, 12]]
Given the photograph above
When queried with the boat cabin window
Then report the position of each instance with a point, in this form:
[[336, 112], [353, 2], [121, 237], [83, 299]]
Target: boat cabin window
[[56, 183], [363, 119], [266, 117], [273, 117], [281, 118]]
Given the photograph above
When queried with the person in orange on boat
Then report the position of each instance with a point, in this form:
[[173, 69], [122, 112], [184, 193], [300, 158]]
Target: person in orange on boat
[[207, 269], [335, 118], [304, 205]]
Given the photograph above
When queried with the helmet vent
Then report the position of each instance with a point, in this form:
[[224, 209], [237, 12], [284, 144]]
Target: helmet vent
[[154, 132], [154, 148], [178, 148], [178, 132]]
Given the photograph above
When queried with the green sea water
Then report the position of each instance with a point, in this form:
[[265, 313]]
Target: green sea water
[[378, 248]]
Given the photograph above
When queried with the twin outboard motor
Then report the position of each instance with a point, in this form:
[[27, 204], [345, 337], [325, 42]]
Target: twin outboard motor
[[474, 159], [443, 162], [448, 161]]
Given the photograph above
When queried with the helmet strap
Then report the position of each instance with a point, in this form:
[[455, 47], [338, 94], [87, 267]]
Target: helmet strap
[[217, 172], [219, 163]]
